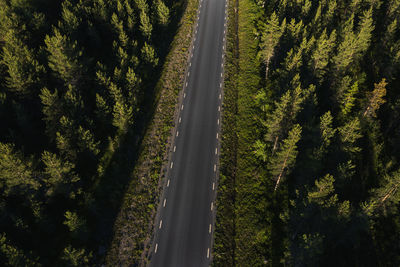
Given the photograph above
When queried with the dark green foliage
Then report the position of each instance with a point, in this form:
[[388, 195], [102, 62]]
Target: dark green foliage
[[340, 192], [77, 81]]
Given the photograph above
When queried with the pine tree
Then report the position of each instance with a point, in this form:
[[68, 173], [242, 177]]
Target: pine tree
[[365, 31], [327, 132], [260, 150], [162, 13], [349, 134], [325, 197], [270, 38], [63, 57], [354, 45], [348, 47], [323, 52], [16, 177], [285, 158], [149, 55], [22, 67], [347, 102], [145, 25], [375, 99], [59, 176], [388, 194], [281, 119]]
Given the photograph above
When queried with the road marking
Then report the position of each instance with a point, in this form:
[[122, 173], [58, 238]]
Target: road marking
[[223, 47], [186, 84], [167, 186], [182, 107], [219, 108], [208, 253], [177, 133], [159, 227], [174, 148], [213, 186], [172, 164], [222, 65], [217, 135], [224, 31], [219, 96], [223, 39], [221, 74], [190, 64], [209, 229], [215, 167], [165, 200], [184, 95], [218, 121], [188, 73], [216, 151], [212, 205], [220, 85], [155, 250], [180, 119]]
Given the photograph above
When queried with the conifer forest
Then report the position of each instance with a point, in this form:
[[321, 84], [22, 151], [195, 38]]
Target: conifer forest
[[312, 175], [77, 83], [310, 150]]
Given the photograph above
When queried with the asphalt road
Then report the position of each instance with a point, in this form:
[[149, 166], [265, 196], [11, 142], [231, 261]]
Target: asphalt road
[[185, 218]]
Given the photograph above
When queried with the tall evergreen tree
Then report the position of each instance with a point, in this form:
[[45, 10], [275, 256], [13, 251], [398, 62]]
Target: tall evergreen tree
[[285, 158]]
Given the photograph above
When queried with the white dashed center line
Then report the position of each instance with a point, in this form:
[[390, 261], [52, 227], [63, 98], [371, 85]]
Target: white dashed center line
[[159, 227]]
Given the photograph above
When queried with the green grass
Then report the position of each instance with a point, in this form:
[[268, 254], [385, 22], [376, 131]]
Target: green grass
[[240, 236]]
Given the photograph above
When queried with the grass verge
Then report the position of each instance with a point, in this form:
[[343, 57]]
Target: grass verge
[[133, 226], [240, 235]]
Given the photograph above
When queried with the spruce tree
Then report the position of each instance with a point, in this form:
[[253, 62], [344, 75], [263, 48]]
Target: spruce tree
[[282, 162], [23, 69], [323, 52], [270, 38], [162, 13], [63, 57]]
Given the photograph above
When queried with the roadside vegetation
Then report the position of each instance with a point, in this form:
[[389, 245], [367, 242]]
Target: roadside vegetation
[[77, 93], [311, 177]]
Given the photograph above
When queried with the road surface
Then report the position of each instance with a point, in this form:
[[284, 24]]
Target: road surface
[[185, 218]]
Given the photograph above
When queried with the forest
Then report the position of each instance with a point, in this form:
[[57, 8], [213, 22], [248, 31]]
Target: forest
[[310, 176], [77, 87], [310, 152]]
